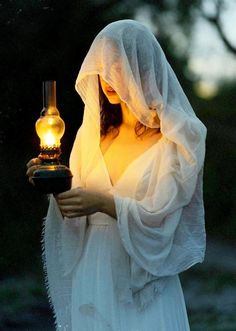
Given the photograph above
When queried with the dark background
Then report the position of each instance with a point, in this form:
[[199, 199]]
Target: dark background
[[42, 40]]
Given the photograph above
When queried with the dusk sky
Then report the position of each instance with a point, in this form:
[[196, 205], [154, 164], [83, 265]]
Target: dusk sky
[[209, 58]]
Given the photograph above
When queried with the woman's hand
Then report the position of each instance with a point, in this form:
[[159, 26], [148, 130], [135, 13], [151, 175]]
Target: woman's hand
[[32, 165], [81, 202]]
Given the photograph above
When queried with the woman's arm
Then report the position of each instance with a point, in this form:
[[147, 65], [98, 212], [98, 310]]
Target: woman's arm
[[108, 205], [78, 202], [81, 202]]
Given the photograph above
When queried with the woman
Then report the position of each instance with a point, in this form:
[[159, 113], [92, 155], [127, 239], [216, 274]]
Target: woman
[[134, 219]]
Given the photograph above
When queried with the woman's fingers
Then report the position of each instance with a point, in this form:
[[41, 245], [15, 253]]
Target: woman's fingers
[[32, 165], [72, 215], [69, 202], [31, 181], [70, 211], [74, 193], [32, 162], [78, 202], [31, 170]]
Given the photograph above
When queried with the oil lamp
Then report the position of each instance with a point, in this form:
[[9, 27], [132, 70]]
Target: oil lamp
[[51, 176]]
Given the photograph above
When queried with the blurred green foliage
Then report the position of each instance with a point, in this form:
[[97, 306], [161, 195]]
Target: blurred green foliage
[[219, 115], [48, 40]]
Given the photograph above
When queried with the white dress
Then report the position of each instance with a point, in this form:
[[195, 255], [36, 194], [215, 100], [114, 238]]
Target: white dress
[[122, 275], [95, 299]]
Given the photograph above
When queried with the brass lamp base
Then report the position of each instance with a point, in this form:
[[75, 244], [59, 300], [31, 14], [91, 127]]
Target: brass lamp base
[[52, 178]]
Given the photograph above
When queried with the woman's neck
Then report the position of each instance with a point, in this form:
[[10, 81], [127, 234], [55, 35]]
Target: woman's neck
[[128, 119]]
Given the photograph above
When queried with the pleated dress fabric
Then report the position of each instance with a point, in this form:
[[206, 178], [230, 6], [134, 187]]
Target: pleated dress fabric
[[95, 302]]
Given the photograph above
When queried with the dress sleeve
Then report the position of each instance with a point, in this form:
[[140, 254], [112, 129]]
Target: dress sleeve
[[163, 234]]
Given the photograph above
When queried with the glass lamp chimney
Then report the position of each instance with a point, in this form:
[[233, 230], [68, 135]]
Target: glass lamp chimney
[[50, 127], [51, 177]]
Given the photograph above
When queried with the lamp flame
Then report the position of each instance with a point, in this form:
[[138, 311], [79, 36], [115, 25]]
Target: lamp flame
[[49, 140]]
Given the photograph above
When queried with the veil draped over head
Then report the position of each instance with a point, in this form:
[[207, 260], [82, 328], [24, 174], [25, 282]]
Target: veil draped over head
[[162, 231], [128, 57]]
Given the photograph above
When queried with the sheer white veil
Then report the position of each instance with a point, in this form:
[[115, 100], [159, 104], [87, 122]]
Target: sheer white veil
[[127, 55]]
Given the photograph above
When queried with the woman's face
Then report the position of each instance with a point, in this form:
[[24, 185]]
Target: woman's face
[[109, 92]]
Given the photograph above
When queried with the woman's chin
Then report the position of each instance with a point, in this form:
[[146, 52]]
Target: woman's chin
[[114, 100]]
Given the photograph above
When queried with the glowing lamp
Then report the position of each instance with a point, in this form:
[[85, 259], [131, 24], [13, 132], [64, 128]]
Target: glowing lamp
[[51, 176]]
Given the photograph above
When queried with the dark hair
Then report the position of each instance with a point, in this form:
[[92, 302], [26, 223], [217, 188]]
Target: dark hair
[[111, 116]]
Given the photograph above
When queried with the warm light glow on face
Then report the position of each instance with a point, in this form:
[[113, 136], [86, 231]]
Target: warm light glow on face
[[109, 92]]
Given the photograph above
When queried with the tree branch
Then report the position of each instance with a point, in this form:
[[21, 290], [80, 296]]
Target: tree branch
[[215, 20]]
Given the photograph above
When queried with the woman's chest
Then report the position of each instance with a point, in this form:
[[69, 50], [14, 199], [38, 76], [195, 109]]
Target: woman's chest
[[120, 155], [119, 158], [135, 180]]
